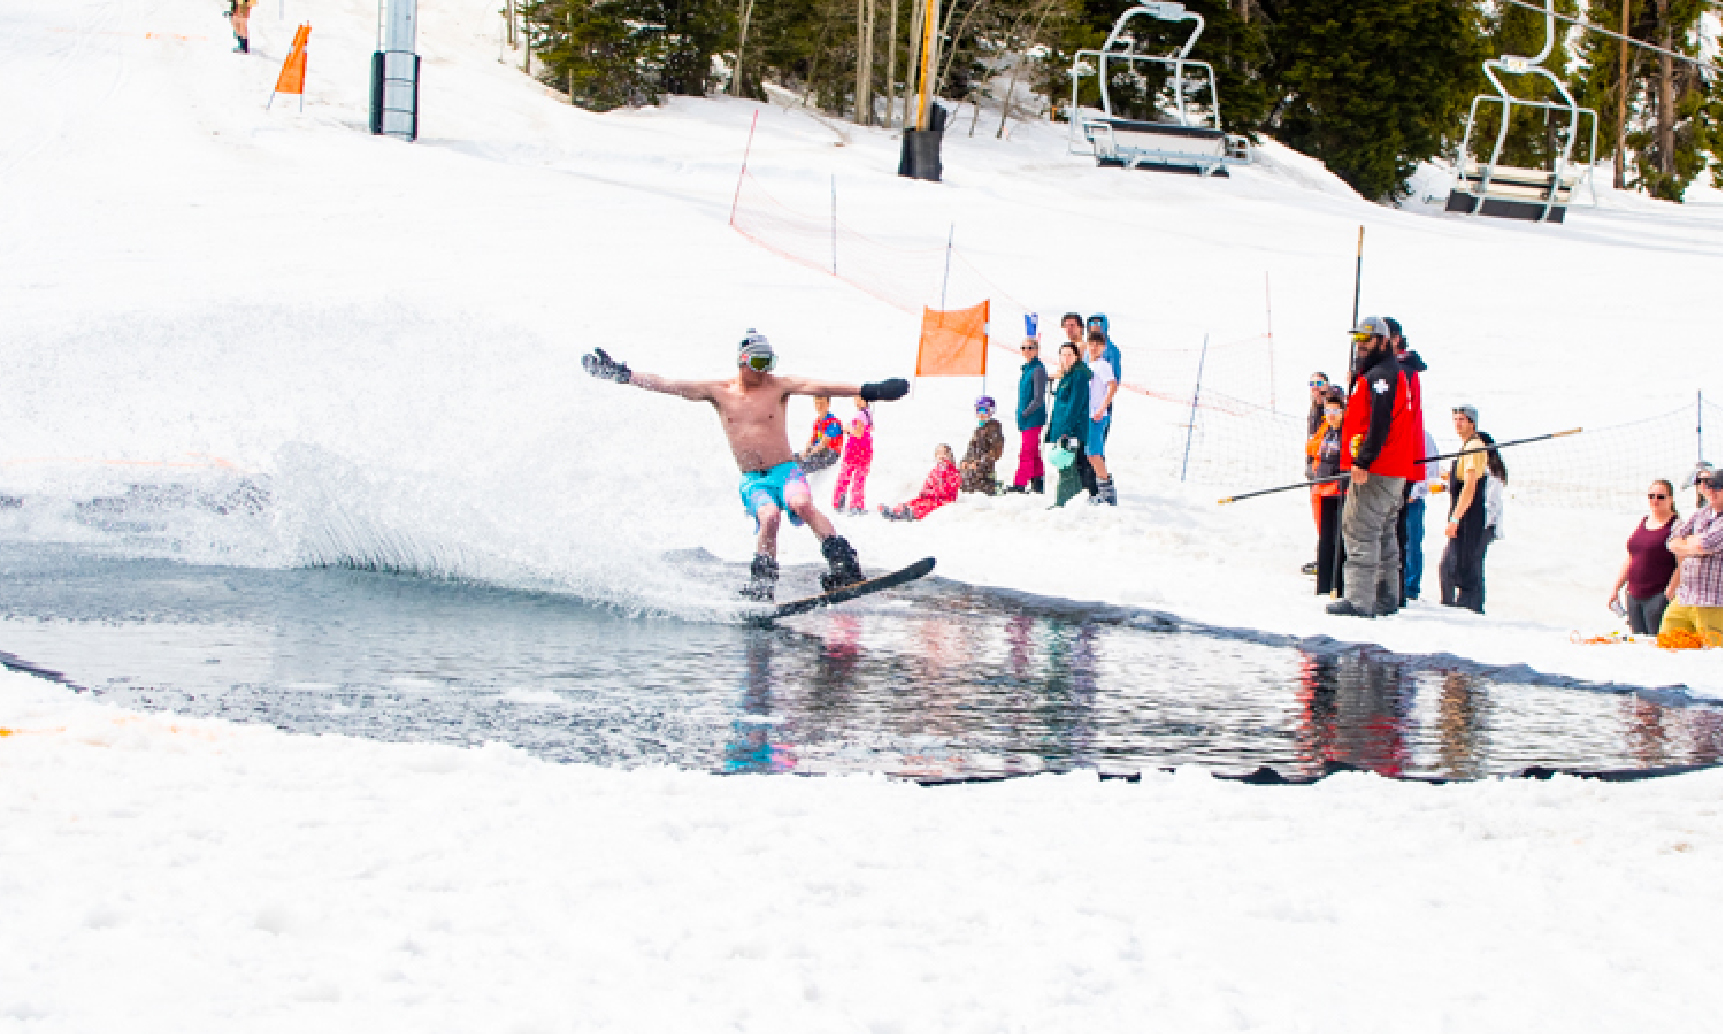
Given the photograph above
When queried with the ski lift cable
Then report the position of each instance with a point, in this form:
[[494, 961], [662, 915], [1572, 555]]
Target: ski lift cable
[[1708, 66]]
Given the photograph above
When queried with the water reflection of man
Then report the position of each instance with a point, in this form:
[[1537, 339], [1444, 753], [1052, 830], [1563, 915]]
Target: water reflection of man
[[1460, 725], [751, 748], [1646, 736], [1355, 710]]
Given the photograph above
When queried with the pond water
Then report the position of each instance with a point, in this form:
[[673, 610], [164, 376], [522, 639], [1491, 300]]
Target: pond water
[[940, 681]]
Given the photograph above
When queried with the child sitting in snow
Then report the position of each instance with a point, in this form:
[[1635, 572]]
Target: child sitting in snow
[[939, 488], [827, 441], [858, 457]]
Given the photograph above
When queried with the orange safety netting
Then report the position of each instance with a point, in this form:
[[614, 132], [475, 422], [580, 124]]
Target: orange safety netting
[[953, 342]]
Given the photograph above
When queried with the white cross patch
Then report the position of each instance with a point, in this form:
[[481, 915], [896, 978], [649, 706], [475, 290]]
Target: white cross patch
[[1379, 386]]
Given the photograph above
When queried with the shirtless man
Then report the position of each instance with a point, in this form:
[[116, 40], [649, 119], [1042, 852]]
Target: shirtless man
[[751, 405]]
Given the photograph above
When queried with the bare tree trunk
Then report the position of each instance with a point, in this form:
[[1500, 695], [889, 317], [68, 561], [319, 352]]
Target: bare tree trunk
[[1665, 94], [891, 65], [1621, 107], [1028, 45], [747, 12], [945, 74]]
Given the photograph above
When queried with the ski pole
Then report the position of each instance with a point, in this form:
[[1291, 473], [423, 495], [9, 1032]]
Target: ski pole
[[1426, 459]]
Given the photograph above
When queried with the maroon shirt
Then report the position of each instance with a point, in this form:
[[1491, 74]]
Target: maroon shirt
[[1651, 563]]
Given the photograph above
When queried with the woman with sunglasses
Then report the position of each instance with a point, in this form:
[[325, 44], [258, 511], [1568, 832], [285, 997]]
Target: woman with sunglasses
[[1650, 569], [1318, 404]]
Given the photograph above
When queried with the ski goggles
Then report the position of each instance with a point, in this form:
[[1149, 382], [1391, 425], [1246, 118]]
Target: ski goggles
[[762, 363], [1361, 337]]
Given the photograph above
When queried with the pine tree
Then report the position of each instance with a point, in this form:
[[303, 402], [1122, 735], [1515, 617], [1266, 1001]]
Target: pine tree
[[1373, 87], [608, 53], [1674, 112]]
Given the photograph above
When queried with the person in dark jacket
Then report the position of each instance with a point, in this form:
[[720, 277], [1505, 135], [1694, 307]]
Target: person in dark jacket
[[1069, 425], [1031, 418], [1411, 523], [1322, 460], [986, 445], [1462, 570], [1380, 448]]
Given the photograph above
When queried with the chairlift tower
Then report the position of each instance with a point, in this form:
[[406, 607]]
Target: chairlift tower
[[1504, 191], [1187, 138], [395, 70]]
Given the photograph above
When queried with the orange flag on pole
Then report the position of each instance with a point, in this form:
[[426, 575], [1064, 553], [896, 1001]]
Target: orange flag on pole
[[292, 77], [953, 343]]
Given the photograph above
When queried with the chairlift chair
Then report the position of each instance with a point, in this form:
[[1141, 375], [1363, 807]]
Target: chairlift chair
[[1508, 192], [1188, 140]]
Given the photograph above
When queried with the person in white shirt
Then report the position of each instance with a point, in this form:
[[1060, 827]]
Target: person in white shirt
[[1103, 385]]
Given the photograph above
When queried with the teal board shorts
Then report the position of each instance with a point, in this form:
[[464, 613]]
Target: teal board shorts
[[780, 486]]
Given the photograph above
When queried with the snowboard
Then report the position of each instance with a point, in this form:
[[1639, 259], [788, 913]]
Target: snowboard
[[856, 589]]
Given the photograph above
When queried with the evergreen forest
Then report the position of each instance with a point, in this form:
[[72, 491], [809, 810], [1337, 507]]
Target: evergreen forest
[[1371, 87]]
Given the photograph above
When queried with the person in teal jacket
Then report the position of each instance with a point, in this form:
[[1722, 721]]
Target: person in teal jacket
[[1069, 425], [1031, 418]]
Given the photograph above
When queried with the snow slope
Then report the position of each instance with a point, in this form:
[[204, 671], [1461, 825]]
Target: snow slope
[[162, 874], [308, 344]]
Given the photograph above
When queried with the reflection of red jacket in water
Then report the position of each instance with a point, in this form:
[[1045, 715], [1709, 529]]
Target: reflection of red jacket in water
[[939, 488]]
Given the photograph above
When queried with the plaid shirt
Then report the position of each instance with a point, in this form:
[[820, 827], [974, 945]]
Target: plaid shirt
[[1702, 576]]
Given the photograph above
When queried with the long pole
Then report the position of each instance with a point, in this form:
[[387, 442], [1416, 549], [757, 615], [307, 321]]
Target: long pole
[[926, 55], [1357, 290], [1191, 429], [745, 152], [1268, 297], [1426, 459], [943, 284], [1699, 423]]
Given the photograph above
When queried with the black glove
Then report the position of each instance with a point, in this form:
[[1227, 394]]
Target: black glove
[[600, 365], [1070, 443], [887, 391]]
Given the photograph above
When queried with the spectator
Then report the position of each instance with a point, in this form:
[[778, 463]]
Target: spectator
[[1700, 472], [1697, 542], [1380, 449], [939, 488], [1100, 322], [1318, 403], [1068, 427], [826, 444], [1411, 365], [1462, 570], [1103, 387], [1072, 324], [1649, 570], [986, 445], [239, 19], [858, 460], [1031, 417], [1412, 556], [1322, 460]]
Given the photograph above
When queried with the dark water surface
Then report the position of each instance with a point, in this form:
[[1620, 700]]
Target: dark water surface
[[938, 681]]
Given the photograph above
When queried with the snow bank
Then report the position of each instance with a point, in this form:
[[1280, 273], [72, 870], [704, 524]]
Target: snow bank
[[162, 874]]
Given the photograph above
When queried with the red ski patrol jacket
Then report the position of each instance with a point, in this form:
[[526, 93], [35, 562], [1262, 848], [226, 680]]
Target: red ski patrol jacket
[[1380, 432]]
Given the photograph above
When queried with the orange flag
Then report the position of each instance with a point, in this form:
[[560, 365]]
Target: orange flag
[[292, 78], [953, 343]]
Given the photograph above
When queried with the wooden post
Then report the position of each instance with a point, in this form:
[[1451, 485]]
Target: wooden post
[[929, 31]]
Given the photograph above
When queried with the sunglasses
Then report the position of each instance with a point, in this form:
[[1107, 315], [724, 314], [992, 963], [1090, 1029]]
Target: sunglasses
[[1027, 348], [762, 363], [1361, 338], [1319, 384], [1656, 495]]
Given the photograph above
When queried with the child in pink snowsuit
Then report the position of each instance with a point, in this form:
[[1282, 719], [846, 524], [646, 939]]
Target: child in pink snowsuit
[[939, 488], [858, 457]]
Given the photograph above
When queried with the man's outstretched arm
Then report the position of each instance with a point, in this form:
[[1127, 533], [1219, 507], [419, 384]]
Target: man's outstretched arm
[[876, 391], [600, 364]]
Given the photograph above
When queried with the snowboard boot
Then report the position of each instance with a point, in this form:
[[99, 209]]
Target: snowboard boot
[[244, 45], [762, 579], [1038, 486], [1105, 493], [846, 569]]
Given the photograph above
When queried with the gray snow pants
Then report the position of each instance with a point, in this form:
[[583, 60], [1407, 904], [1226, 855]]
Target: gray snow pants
[[1369, 525]]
